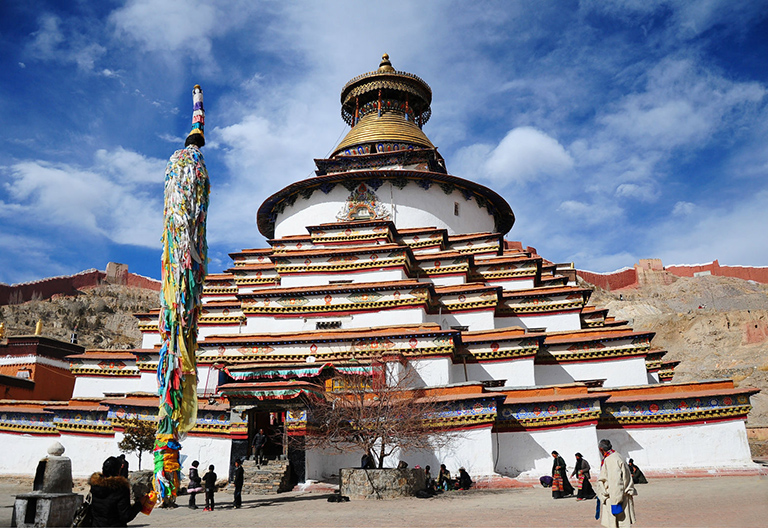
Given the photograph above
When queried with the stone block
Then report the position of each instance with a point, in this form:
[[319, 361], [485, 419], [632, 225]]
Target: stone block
[[381, 483]]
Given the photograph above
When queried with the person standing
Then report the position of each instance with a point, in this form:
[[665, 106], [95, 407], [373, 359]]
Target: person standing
[[561, 487], [209, 479], [123, 466], [259, 442], [615, 489], [581, 472], [239, 477], [194, 486]]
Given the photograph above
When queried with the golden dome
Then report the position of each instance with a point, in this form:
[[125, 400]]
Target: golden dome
[[385, 106], [389, 128]]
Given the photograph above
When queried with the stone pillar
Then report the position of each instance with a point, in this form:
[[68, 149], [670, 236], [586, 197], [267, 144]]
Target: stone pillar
[[51, 502]]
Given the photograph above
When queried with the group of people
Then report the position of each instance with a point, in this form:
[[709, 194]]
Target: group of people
[[207, 483], [561, 486], [614, 489], [444, 482]]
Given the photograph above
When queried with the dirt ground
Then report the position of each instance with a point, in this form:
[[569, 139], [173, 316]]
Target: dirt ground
[[695, 502]]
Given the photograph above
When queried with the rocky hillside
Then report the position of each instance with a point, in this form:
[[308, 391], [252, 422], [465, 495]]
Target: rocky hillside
[[103, 316], [717, 327]]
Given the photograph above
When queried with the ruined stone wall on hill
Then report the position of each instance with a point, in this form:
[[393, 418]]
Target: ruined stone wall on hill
[[70, 285], [642, 274], [626, 278], [754, 273]]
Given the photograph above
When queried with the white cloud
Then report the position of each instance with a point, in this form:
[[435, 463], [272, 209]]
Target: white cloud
[[733, 234], [683, 209], [643, 192], [524, 154], [176, 27], [113, 199], [591, 214], [129, 167], [55, 41]]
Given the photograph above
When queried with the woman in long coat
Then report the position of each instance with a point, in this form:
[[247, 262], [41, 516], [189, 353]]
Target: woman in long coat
[[581, 472], [560, 486]]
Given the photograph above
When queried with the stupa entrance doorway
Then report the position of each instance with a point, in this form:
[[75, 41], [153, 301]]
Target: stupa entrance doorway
[[279, 446]]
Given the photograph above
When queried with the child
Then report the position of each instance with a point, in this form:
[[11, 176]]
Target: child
[[194, 484], [210, 488]]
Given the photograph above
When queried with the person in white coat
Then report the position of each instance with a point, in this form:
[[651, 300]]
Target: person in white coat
[[615, 489]]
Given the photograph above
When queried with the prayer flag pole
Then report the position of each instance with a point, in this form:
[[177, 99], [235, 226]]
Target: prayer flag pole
[[184, 265]]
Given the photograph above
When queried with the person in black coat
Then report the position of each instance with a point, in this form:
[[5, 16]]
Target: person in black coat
[[259, 443], [111, 496], [239, 477], [210, 488], [561, 488], [195, 484]]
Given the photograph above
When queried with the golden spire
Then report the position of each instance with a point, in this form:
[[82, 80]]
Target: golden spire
[[385, 109], [385, 65], [39, 327]]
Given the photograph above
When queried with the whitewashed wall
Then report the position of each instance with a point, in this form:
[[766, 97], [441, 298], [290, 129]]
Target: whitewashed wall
[[88, 453], [429, 372], [712, 445], [22, 452], [518, 372], [150, 339], [528, 454], [268, 324], [552, 322], [316, 279], [480, 320], [323, 464], [413, 207], [445, 280], [206, 450], [96, 386], [470, 449], [616, 372], [511, 284]]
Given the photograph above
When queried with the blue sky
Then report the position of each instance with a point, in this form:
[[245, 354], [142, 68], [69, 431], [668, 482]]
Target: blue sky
[[615, 130]]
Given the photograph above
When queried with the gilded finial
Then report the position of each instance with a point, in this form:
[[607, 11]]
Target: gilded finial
[[385, 65], [2, 330], [39, 327]]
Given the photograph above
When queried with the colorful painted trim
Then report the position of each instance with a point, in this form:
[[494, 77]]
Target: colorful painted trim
[[674, 410], [463, 414], [83, 422], [36, 423], [520, 417]]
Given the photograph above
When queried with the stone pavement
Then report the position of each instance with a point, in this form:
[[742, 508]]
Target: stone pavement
[[678, 502]]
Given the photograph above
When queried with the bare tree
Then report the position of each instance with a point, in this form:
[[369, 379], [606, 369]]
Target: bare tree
[[138, 436], [378, 412]]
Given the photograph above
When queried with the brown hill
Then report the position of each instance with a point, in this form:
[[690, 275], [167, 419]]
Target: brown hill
[[717, 327], [103, 316]]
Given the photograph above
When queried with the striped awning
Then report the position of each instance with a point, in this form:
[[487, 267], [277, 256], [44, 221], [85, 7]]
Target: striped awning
[[270, 390], [294, 371]]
